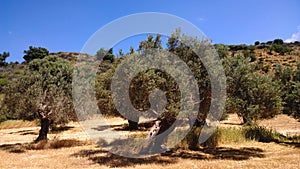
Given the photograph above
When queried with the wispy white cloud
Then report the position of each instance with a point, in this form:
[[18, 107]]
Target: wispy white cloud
[[294, 37]]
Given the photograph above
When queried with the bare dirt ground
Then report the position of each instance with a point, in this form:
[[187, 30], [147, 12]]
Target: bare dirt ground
[[248, 154]]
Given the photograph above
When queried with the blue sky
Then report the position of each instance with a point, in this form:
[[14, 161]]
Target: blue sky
[[65, 25]]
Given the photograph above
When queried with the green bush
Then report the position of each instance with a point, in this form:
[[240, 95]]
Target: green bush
[[3, 82], [246, 53], [35, 53], [261, 46], [222, 50], [252, 48], [281, 49], [238, 47], [278, 41], [19, 71], [262, 134]]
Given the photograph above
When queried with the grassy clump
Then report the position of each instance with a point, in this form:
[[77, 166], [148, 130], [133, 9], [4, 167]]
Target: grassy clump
[[226, 136], [191, 141], [262, 134], [231, 135], [214, 139]]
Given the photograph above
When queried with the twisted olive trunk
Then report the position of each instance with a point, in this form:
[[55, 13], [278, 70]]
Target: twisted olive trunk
[[45, 124], [133, 122]]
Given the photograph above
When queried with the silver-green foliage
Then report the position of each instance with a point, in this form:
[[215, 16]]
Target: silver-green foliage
[[251, 95], [44, 90]]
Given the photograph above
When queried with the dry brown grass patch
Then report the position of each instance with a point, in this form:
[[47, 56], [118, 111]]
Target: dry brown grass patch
[[56, 144], [17, 124]]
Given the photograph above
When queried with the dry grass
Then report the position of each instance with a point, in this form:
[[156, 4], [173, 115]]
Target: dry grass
[[17, 124], [56, 144], [64, 150], [246, 155]]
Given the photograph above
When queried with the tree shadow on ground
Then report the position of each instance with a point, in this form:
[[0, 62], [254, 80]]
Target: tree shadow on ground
[[224, 153], [13, 148], [25, 132], [293, 144], [106, 158], [45, 144], [143, 126], [233, 124], [103, 157], [54, 130], [60, 129]]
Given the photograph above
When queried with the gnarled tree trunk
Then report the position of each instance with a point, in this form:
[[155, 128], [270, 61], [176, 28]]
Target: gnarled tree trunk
[[45, 124], [156, 141], [133, 122], [133, 125]]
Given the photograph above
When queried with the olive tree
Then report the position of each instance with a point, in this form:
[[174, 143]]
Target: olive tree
[[289, 80], [43, 92], [251, 95]]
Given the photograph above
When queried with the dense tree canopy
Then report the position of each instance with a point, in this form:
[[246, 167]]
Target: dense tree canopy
[[43, 92], [251, 95], [35, 53], [289, 78]]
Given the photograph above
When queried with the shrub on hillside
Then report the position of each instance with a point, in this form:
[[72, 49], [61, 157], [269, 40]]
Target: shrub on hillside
[[281, 49], [278, 41], [3, 83]]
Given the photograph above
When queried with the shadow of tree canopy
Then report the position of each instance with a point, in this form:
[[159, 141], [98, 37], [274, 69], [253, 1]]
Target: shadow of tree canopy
[[106, 158], [25, 132], [143, 126], [13, 148], [59, 129], [293, 144], [227, 153], [54, 130], [45, 144]]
